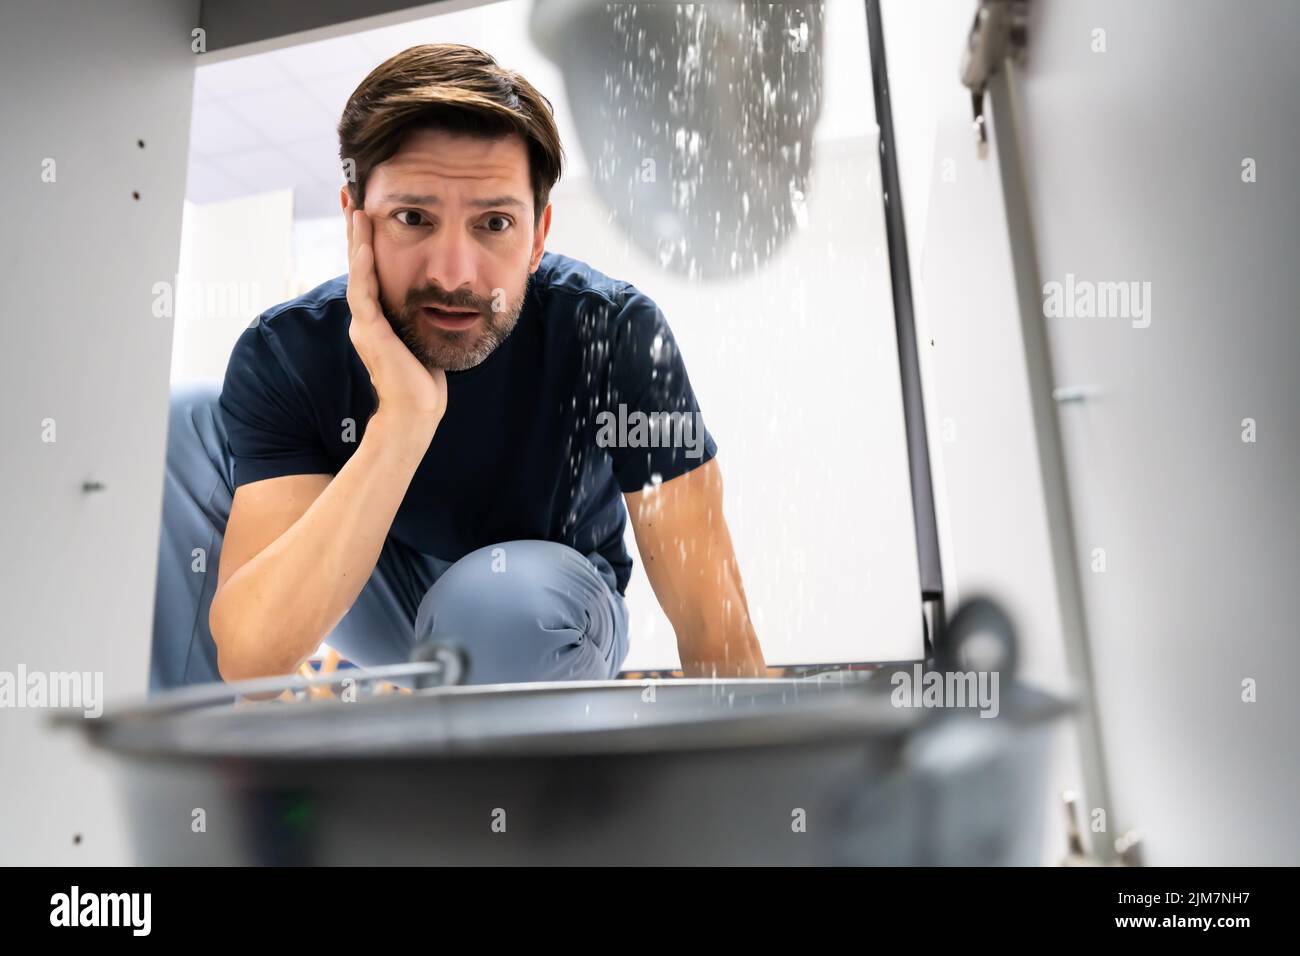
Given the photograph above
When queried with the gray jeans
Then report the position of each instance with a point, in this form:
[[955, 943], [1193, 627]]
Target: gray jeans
[[525, 610]]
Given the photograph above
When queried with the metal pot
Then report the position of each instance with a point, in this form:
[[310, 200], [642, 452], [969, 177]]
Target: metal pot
[[821, 770]]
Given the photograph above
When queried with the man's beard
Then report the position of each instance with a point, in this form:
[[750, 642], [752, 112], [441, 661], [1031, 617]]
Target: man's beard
[[453, 351]]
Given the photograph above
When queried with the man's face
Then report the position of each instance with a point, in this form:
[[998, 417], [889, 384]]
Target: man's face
[[454, 243]]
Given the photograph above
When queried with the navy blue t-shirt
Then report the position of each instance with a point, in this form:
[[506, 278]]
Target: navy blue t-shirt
[[533, 444]]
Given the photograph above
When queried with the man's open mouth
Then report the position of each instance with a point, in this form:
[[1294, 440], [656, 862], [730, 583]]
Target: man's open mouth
[[450, 319]]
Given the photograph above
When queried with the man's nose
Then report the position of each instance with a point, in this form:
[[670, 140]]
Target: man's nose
[[453, 264]]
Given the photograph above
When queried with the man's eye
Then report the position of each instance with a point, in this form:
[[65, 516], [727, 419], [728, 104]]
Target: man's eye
[[505, 220], [408, 212]]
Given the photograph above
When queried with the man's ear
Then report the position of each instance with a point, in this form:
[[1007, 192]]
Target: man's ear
[[539, 238]]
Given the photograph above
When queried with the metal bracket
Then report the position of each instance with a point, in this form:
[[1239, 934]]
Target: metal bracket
[[1127, 846], [439, 671], [999, 32]]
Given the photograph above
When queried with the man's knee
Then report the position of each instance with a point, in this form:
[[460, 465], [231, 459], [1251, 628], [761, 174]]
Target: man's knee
[[523, 610], [197, 494], [197, 445], [523, 581]]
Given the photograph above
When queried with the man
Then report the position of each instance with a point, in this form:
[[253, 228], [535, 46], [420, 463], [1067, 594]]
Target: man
[[420, 450]]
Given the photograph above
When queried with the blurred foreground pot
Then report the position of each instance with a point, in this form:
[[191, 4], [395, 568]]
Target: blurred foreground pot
[[824, 770]]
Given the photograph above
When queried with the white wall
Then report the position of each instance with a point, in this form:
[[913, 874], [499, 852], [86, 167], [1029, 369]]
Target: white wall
[[235, 264], [1134, 165], [1133, 158], [83, 347], [796, 371], [988, 498]]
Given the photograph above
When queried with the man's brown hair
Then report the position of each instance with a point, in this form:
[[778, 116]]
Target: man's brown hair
[[456, 89]]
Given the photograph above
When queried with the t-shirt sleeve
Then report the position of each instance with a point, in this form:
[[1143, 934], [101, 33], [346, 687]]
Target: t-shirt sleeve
[[659, 433], [267, 413]]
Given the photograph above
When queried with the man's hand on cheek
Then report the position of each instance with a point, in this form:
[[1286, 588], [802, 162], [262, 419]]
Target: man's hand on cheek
[[410, 395]]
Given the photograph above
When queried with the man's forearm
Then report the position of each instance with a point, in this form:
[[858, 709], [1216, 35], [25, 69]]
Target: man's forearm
[[274, 611], [716, 638], [722, 652]]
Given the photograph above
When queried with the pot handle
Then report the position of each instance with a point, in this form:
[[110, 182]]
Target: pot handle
[[452, 658], [426, 673], [979, 636]]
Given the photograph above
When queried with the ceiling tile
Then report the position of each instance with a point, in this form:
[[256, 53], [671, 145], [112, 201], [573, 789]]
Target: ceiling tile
[[260, 170], [332, 91], [318, 159], [204, 183], [270, 121], [214, 130], [235, 77], [345, 54], [282, 115]]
